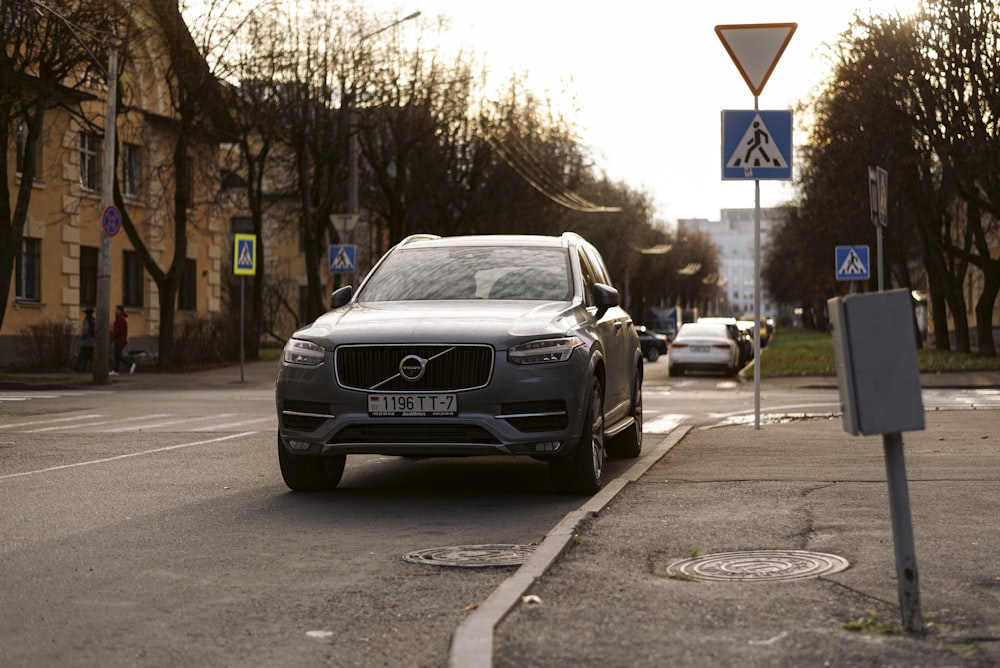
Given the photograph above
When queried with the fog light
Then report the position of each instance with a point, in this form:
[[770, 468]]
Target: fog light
[[548, 446], [298, 445]]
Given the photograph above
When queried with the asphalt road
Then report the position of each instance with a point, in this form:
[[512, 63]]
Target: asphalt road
[[146, 523]]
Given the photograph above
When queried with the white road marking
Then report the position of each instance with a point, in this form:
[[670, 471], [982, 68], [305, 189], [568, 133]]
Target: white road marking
[[87, 425], [127, 456]]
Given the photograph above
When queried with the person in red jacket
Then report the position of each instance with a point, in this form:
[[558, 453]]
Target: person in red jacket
[[119, 337]]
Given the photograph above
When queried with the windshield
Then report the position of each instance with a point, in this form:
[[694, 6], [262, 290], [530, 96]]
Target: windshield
[[481, 272]]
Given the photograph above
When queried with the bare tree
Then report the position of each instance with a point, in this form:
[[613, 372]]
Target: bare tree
[[48, 61]]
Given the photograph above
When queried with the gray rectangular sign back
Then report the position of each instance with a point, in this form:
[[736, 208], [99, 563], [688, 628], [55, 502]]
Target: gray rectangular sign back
[[875, 349]]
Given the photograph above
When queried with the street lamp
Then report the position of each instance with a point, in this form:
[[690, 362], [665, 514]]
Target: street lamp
[[353, 205]]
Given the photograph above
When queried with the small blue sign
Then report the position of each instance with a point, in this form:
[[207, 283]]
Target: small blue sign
[[111, 221], [245, 254], [852, 263], [342, 259], [757, 145]]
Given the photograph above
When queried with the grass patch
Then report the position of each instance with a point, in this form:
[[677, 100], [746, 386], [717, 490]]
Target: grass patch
[[807, 352], [874, 626]]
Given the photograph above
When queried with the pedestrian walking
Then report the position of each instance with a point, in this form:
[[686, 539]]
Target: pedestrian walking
[[85, 355], [119, 337]]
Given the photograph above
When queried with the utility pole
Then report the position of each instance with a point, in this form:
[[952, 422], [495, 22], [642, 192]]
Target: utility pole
[[102, 338]]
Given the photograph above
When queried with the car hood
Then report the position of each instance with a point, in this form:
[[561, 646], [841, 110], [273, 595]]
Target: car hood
[[499, 323]]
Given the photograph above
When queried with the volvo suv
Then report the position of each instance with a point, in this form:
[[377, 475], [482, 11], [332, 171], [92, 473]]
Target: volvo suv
[[461, 346]]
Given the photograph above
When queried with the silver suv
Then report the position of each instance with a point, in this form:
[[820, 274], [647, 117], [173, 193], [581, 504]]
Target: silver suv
[[458, 346]]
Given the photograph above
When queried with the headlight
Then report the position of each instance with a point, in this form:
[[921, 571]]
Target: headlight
[[303, 352], [543, 351]]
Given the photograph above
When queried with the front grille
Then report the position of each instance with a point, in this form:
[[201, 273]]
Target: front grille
[[415, 433], [448, 368]]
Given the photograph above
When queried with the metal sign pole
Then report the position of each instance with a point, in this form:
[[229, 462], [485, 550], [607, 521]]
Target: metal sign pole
[[902, 533], [243, 291]]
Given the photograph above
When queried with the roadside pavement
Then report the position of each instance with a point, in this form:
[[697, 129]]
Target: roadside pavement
[[252, 374], [752, 505]]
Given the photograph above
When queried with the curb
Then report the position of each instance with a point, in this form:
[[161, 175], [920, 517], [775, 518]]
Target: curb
[[472, 642]]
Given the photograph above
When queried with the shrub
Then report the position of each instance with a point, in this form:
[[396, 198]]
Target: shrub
[[48, 346], [206, 342]]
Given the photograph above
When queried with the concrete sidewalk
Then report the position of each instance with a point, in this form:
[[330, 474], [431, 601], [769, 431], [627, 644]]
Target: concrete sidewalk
[[804, 485]]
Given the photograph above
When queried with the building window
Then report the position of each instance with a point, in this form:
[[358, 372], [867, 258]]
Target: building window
[[187, 292], [130, 170], [132, 278], [22, 148], [29, 270], [88, 276], [90, 169]]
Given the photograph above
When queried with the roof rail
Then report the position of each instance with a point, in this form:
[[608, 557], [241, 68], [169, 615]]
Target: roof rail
[[418, 237]]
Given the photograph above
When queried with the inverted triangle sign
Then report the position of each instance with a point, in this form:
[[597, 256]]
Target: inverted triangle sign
[[756, 49]]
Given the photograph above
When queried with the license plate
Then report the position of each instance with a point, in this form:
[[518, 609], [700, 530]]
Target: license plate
[[412, 405], [700, 349]]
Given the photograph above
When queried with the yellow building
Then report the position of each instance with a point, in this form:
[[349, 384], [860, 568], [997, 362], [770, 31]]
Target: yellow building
[[57, 267]]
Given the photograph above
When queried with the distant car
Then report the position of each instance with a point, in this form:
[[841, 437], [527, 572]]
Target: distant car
[[703, 347], [653, 344], [459, 346], [766, 328], [743, 338]]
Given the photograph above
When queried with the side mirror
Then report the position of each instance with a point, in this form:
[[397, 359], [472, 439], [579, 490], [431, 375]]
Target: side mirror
[[605, 297], [341, 296]]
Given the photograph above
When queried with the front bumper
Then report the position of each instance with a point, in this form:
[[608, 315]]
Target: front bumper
[[535, 410]]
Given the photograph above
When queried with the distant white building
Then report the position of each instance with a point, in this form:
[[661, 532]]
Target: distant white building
[[733, 234]]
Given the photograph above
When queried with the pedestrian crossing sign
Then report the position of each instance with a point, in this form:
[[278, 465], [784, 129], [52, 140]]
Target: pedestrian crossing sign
[[852, 263], [757, 145], [342, 259], [245, 254]]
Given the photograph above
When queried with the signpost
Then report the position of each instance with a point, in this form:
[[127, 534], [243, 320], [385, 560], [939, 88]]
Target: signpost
[[756, 49], [878, 197], [878, 375], [244, 264]]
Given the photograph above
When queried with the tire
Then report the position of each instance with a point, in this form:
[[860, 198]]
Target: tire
[[310, 473], [675, 371], [628, 444], [653, 355], [582, 474]]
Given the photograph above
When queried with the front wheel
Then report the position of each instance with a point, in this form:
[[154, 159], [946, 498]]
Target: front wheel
[[309, 473], [653, 355], [582, 474]]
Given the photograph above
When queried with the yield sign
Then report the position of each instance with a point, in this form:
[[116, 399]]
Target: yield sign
[[756, 48]]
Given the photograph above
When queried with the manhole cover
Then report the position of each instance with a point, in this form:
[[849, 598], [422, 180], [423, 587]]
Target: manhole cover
[[758, 566], [472, 556]]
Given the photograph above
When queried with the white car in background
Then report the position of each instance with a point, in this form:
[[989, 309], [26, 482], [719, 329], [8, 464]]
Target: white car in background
[[704, 346]]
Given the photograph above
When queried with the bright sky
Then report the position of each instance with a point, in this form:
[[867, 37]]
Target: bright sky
[[651, 79]]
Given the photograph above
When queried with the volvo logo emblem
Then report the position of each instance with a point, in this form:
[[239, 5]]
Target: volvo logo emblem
[[412, 368]]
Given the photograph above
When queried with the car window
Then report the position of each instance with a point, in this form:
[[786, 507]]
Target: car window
[[589, 278], [600, 271], [491, 272]]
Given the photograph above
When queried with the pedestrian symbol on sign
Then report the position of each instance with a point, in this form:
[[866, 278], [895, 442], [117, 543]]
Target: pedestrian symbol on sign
[[756, 149], [852, 263], [342, 259]]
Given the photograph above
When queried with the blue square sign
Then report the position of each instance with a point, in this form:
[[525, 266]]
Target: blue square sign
[[342, 259], [852, 263], [757, 145]]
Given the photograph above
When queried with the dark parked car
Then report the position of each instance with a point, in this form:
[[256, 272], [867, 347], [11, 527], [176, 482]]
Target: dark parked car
[[458, 346], [653, 344]]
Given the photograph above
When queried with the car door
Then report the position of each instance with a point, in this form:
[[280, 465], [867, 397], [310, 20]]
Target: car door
[[612, 327]]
